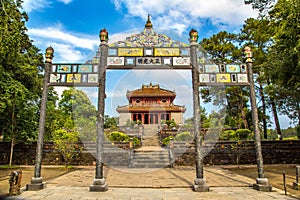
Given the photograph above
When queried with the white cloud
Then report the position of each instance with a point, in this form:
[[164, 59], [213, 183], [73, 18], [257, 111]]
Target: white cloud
[[67, 53], [65, 1], [57, 34], [180, 14], [30, 5]]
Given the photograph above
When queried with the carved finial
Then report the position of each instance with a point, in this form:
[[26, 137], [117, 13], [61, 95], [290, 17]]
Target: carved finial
[[49, 54], [148, 23], [103, 35]]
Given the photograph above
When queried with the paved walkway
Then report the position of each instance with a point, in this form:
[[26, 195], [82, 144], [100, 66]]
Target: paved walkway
[[149, 184]]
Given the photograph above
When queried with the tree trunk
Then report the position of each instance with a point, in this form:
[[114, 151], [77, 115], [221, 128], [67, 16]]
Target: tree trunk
[[241, 107], [262, 96], [12, 144], [275, 114], [274, 110]]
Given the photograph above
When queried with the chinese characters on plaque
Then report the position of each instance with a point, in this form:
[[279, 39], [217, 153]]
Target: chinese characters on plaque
[[129, 57]]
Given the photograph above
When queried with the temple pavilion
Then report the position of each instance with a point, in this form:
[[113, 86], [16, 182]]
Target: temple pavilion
[[150, 105]]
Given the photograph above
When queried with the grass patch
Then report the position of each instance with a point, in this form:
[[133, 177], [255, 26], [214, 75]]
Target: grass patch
[[9, 167], [291, 138]]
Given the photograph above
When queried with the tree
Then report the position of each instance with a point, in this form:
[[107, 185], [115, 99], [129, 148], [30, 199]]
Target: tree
[[110, 122], [20, 79], [220, 48], [257, 33], [66, 141], [262, 5], [284, 64], [74, 104], [19, 122]]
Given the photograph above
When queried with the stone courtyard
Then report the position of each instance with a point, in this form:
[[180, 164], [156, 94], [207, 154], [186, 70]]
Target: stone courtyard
[[141, 184]]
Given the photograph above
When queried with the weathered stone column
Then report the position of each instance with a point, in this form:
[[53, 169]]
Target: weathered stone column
[[199, 182], [99, 184], [37, 181], [261, 182]]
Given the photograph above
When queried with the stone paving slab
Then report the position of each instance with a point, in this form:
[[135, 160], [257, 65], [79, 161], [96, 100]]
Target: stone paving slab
[[82, 193], [178, 177], [149, 184]]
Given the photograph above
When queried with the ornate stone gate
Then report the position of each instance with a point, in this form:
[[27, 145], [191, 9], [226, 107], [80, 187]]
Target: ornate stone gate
[[153, 51]]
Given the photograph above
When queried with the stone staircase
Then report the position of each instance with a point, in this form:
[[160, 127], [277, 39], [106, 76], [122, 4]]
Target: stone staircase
[[150, 157], [151, 154], [150, 136]]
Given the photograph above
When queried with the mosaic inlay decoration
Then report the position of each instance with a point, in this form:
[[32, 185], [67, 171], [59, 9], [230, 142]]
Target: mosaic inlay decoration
[[74, 74], [231, 74]]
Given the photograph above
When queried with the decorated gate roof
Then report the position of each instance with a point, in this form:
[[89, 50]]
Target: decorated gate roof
[[148, 38]]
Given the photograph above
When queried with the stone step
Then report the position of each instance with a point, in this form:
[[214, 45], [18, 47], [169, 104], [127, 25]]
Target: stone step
[[150, 157], [150, 165]]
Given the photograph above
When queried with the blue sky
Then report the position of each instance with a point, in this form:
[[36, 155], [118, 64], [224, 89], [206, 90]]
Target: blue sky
[[71, 27]]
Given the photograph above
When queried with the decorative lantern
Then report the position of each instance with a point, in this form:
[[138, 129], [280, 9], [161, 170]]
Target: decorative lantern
[[49, 54], [193, 35], [103, 35], [248, 54]]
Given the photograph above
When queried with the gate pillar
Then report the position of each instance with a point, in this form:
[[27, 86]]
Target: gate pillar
[[99, 184], [199, 182], [261, 182], [37, 181]]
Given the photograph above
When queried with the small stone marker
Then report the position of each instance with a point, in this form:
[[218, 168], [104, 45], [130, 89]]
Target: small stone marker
[[15, 182]]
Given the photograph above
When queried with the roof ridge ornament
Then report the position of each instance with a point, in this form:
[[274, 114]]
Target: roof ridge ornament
[[148, 24]]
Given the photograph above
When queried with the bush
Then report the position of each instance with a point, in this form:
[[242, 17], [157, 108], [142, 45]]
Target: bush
[[228, 135], [166, 140], [118, 137], [184, 136], [243, 134], [122, 137], [66, 142]]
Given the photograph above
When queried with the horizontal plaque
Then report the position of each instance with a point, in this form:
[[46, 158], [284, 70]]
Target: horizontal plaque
[[166, 52], [115, 61], [148, 61], [181, 61], [130, 51]]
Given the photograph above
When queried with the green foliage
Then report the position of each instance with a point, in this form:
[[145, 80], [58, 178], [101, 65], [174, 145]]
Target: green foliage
[[170, 123], [74, 111], [66, 141], [20, 79], [110, 122], [298, 132], [228, 135], [290, 132], [184, 136], [243, 134], [122, 137], [130, 123], [118, 137], [238, 135], [166, 140]]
